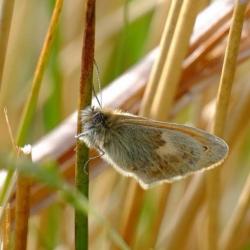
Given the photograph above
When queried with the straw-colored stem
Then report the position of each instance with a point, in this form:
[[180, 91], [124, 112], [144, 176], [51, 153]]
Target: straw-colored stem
[[5, 22], [22, 210], [189, 206], [161, 208], [5, 228], [135, 195], [184, 216], [223, 97], [170, 88], [30, 105], [229, 67], [12, 140], [156, 71], [22, 206], [172, 69], [240, 118], [131, 212], [85, 95], [230, 233]]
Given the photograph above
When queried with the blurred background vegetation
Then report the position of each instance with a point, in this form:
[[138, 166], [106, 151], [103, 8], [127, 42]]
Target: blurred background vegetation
[[122, 39], [126, 31]]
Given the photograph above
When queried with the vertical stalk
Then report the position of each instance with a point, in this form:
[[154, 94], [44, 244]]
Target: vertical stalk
[[229, 236], [223, 97], [22, 208], [85, 93], [30, 105], [136, 194], [155, 74], [5, 22], [5, 228], [172, 69], [185, 214]]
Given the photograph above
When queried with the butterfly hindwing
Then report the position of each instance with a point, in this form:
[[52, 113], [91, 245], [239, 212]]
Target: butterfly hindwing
[[154, 153]]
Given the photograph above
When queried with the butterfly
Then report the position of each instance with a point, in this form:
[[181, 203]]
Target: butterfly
[[150, 151]]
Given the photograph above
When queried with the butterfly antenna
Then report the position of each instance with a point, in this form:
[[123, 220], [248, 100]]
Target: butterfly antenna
[[96, 96], [99, 83]]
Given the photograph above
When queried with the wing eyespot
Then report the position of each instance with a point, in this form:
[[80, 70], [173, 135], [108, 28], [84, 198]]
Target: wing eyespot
[[205, 148]]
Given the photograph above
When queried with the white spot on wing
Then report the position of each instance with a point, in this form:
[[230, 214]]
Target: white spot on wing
[[168, 147]]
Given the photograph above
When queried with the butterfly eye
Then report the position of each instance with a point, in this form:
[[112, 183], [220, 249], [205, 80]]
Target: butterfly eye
[[98, 118]]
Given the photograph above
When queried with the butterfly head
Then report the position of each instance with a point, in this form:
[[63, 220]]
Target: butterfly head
[[93, 119]]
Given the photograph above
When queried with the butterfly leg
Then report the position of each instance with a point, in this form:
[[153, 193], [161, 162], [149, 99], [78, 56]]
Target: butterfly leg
[[92, 158]]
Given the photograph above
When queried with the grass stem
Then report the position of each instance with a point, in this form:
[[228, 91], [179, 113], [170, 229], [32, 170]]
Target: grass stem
[[223, 97], [85, 95], [5, 23], [30, 105]]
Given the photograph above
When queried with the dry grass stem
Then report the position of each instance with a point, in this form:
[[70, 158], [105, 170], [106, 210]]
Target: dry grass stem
[[177, 81], [132, 83], [22, 208], [131, 212], [184, 215], [14, 146], [221, 18], [172, 69], [170, 88], [6, 228], [240, 122], [223, 97], [7, 7], [30, 105], [194, 195], [229, 235], [156, 71], [136, 194], [164, 192]]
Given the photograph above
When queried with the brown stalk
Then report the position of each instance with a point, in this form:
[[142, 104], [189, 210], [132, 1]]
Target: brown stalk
[[6, 228], [85, 96], [205, 48], [22, 208], [6, 222], [215, 23]]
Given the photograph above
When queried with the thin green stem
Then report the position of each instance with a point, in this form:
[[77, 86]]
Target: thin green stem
[[30, 105], [48, 174], [85, 94]]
